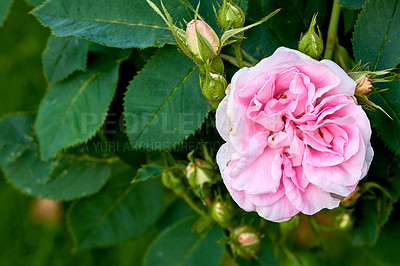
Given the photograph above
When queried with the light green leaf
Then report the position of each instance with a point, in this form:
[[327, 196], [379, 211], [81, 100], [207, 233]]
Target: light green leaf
[[120, 211], [147, 171], [164, 104], [179, 245], [4, 8], [376, 41], [64, 177], [119, 23], [64, 55], [74, 109]]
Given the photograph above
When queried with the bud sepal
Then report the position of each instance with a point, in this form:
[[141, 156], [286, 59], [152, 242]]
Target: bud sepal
[[230, 15], [311, 43]]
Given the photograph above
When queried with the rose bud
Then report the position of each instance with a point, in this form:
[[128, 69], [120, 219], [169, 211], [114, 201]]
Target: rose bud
[[343, 221], [201, 40], [363, 85], [245, 241], [170, 181], [200, 172], [230, 15], [46, 211], [222, 211], [311, 43], [213, 88]]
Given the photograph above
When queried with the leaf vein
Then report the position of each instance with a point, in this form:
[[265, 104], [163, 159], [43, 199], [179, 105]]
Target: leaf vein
[[386, 35], [164, 102]]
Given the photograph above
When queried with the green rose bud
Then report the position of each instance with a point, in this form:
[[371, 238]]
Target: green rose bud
[[311, 43], [222, 212], [230, 15], [200, 172], [170, 181], [245, 241], [213, 88], [201, 40], [343, 221]]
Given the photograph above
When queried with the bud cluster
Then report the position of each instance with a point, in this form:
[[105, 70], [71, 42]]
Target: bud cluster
[[201, 43]]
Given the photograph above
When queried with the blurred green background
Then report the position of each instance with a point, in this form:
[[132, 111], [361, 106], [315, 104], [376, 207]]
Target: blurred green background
[[26, 240]]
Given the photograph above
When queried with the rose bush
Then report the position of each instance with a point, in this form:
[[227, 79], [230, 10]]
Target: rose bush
[[295, 139]]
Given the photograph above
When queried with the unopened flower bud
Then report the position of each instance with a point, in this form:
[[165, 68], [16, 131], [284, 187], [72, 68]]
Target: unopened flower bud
[[311, 43], [46, 211], [170, 181], [230, 15], [245, 241], [200, 172], [343, 221], [213, 88], [363, 85], [201, 40], [222, 212]]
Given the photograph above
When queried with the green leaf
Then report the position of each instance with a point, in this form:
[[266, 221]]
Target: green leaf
[[64, 177], [120, 211], [23, 40], [35, 2], [74, 109], [119, 23], [282, 30], [376, 41], [147, 171], [353, 4], [4, 8], [179, 245], [176, 211], [64, 55], [164, 104]]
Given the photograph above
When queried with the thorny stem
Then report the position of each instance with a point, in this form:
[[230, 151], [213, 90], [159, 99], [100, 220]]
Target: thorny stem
[[332, 30]]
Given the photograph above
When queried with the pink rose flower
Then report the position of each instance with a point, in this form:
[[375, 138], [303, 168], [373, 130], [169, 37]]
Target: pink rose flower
[[295, 139]]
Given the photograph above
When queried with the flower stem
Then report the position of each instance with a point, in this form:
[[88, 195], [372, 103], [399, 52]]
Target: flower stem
[[234, 61], [193, 205], [332, 30], [238, 54]]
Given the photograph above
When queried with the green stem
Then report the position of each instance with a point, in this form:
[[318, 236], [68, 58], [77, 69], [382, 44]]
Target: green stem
[[238, 54], [233, 60], [193, 205], [332, 30]]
